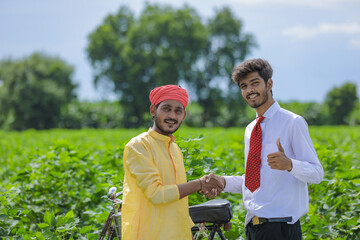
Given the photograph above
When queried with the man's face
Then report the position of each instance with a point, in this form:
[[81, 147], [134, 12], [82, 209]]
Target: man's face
[[168, 116], [254, 90]]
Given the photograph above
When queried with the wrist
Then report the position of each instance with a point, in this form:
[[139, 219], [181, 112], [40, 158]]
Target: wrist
[[224, 182], [290, 165], [199, 184]]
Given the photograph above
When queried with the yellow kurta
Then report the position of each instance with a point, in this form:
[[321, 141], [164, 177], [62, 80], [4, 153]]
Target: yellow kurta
[[152, 210]]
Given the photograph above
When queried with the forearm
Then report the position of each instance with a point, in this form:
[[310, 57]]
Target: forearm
[[305, 164], [188, 188]]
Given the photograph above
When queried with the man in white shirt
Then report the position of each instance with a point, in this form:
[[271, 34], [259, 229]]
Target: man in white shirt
[[287, 161]]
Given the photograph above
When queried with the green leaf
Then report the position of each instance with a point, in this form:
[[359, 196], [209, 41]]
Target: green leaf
[[39, 236], [13, 212], [50, 235], [69, 215], [62, 229], [49, 218], [43, 225], [85, 229]]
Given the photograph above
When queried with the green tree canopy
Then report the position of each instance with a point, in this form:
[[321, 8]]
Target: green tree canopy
[[33, 90], [226, 45], [313, 112], [341, 102], [137, 55], [165, 45]]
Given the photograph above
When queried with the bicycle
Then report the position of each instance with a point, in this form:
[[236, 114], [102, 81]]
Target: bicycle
[[112, 226], [216, 212]]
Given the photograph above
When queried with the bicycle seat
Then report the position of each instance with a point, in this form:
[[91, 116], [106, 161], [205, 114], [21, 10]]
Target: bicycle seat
[[213, 211]]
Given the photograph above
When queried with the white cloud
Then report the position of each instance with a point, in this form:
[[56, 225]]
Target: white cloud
[[355, 42], [309, 3], [301, 31]]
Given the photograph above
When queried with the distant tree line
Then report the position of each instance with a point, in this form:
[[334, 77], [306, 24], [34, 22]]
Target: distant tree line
[[33, 90], [163, 45]]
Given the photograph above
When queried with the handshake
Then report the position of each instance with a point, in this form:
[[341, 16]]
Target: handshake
[[211, 185]]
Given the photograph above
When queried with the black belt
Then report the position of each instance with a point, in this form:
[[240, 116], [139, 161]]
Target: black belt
[[259, 220]]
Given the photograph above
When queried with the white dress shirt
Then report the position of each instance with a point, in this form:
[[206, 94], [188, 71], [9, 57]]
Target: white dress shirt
[[281, 193]]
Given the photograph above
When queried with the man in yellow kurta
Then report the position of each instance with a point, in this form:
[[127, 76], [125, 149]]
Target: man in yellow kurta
[[155, 203]]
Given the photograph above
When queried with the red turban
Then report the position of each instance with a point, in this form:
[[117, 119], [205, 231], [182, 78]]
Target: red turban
[[169, 92]]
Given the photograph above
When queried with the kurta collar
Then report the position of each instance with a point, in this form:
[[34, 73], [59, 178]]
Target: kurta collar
[[161, 137], [271, 110]]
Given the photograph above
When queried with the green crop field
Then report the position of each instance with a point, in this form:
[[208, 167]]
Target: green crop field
[[53, 183]]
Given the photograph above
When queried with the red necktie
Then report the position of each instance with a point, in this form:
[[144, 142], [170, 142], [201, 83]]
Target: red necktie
[[252, 174]]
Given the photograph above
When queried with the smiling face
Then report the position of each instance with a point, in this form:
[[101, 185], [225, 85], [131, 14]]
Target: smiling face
[[168, 116], [256, 92]]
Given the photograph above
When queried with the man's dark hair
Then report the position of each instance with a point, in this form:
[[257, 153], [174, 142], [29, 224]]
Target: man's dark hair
[[252, 65]]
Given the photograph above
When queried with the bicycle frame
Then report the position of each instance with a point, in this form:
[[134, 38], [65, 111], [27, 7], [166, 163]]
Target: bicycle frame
[[215, 228], [112, 227], [217, 212]]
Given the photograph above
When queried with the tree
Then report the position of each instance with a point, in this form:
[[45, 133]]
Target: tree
[[33, 90], [314, 113], [354, 116], [137, 55], [170, 46], [341, 102], [226, 45]]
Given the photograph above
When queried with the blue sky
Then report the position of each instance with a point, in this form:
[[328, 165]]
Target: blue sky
[[313, 45]]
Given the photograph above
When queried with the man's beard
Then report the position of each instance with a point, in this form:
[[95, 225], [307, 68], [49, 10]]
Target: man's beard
[[265, 95], [158, 126]]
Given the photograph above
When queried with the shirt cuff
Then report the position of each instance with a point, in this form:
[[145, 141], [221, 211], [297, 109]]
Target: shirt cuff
[[233, 184], [296, 167], [172, 192]]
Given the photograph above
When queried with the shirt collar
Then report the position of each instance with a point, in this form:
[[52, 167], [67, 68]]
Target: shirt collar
[[271, 110], [161, 137]]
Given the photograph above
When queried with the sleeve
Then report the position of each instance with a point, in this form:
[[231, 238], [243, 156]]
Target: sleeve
[[234, 184], [306, 165], [140, 164]]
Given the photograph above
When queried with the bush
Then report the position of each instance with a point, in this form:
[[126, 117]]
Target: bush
[[91, 115]]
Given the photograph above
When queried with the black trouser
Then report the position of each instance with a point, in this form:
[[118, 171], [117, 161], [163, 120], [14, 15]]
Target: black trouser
[[273, 231]]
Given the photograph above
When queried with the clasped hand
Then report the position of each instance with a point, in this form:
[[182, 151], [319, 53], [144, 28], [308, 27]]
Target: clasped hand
[[211, 185]]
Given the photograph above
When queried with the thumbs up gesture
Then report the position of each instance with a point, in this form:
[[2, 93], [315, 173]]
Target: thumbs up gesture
[[278, 160]]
